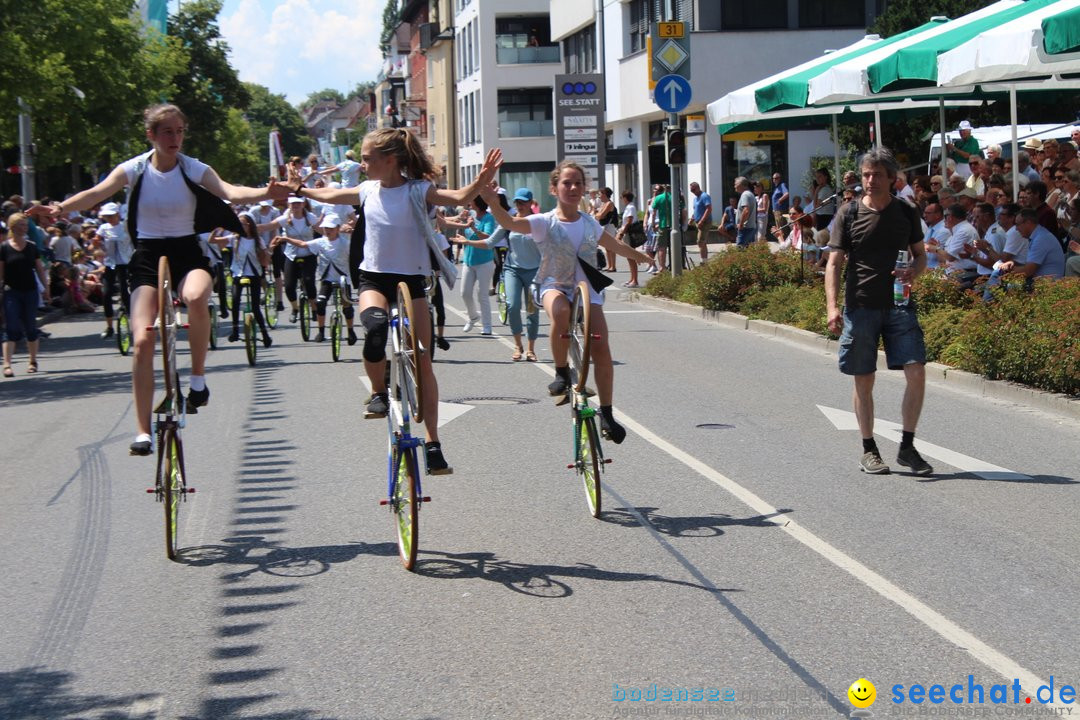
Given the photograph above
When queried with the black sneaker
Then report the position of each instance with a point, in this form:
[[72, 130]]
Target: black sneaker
[[443, 343], [234, 335], [352, 336], [198, 398], [224, 312], [107, 333], [377, 406], [910, 457], [436, 463], [558, 386], [320, 336], [280, 306], [139, 447], [872, 463], [267, 340], [612, 430]]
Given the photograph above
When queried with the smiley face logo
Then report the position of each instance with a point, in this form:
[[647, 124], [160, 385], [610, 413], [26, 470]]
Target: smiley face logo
[[862, 693]]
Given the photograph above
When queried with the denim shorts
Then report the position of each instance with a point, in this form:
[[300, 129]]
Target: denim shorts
[[898, 327]]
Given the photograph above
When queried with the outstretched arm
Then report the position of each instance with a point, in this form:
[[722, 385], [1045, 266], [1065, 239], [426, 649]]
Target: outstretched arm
[[491, 165], [610, 244], [114, 183], [233, 193], [505, 219]]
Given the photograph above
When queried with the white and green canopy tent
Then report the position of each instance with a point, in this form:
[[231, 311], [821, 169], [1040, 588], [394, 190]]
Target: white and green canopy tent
[[781, 100]]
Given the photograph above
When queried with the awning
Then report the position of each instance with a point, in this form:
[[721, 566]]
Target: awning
[[1061, 32], [1011, 50]]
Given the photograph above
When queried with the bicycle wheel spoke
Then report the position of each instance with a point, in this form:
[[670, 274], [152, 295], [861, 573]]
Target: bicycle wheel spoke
[[173, 486], [410, 352]]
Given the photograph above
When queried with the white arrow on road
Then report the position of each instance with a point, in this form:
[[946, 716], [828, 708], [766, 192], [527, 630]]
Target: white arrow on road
[[844, 420], [447, 411], [672, 89]]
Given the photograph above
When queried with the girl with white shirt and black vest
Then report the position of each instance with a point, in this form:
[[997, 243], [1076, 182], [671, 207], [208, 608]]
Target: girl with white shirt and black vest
[[396, 209], [173, 198]]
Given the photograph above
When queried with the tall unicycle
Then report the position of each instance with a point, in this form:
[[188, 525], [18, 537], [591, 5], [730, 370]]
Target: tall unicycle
[[588, 455], [123, 331]]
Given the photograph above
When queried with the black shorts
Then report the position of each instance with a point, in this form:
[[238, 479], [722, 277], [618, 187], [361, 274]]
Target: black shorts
[[278, 260], [386, 283], [184, 255]]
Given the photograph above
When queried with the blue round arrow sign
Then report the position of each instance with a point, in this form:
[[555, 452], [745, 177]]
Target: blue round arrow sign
[[672, 93]]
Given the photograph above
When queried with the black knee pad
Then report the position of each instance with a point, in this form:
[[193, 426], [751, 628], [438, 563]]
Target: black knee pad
[[320, 305], [376, 328]]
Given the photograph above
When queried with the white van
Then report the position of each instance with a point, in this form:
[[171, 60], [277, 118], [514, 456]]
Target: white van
[[1001, 135]]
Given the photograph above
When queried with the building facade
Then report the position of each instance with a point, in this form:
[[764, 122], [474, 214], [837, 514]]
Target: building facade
[[733, 43]]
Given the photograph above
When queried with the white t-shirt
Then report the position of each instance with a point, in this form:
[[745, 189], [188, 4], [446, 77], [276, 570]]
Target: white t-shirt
[[62, 248], [575, 232], [1016, 245], [263, 218], [995, 235], [350, 173], [302, 228], [629, 212], [210, 250], [963, 233], [393, 243], [117, 244], [333, 258], [245, 258], [166, 205]]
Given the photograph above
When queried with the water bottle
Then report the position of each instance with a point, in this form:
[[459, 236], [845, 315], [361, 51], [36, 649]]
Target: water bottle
[[901, 289]]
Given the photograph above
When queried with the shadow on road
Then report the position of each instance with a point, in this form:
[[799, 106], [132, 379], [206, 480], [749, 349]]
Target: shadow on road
[[692, 526], [34, 693], [1005, 477], [536, 580]]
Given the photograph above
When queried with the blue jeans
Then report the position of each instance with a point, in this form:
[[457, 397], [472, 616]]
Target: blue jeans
[[20, 307], [517, 286], [745, 236], [898, 328]]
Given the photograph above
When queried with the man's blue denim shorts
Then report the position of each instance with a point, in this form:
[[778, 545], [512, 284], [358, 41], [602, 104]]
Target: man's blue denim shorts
[[863, 327]]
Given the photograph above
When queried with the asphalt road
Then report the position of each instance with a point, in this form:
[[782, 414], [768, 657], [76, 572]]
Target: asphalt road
[[749, 557]]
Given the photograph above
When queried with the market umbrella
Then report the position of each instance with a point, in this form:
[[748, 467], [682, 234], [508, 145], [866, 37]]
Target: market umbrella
[[1011, 50], [849, 80], [1061, 32]]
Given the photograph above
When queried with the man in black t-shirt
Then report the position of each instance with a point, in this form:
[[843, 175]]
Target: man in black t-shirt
[[871, 232]]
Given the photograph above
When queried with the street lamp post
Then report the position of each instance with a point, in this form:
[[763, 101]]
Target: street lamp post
[[26, 152]]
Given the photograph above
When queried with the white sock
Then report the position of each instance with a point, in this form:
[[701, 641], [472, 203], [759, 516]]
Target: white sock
[[198, 382], [142, 437]]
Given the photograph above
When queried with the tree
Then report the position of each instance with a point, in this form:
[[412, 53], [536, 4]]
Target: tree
[[903, 15], [240, 160], [86, 69], [317, 97], [267, 112], [391, 18], [209, 86]]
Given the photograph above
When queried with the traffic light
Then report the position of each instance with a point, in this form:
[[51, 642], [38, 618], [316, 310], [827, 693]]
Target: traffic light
[[675, 146]]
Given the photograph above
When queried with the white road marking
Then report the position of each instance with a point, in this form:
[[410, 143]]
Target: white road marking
[[146, 709], [1004, 666], [996, 661], [844, 420]]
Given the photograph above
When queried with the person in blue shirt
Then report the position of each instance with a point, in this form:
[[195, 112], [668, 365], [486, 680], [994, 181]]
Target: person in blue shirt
[[1045, 257], [781, 199], [479, 269], [702, 218]]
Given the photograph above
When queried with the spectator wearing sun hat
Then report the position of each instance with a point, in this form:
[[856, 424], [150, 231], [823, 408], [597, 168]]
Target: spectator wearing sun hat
[[118, 251], [963, 148]]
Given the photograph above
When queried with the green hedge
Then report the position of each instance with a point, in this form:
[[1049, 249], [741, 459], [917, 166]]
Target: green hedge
[[1031, 338]]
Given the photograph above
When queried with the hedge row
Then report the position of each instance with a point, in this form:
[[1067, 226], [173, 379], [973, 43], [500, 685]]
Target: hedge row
[[1031, 338]]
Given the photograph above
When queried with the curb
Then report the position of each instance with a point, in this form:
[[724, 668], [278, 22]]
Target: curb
[[936, 372]]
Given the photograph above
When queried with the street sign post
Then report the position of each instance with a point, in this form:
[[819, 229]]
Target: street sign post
[[673, 93], [579, 123], [669, 51]]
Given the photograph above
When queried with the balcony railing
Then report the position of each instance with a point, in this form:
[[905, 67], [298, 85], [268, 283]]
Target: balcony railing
[[527, 55], [526, 128]]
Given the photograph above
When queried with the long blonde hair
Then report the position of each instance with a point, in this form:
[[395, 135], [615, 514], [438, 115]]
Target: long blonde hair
[[12, 219], [403, 145]]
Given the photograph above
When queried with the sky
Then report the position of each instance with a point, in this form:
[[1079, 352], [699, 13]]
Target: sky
[[296, 47]]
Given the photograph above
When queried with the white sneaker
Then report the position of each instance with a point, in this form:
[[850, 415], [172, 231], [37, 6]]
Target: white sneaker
[[485, 331], [468, 326]]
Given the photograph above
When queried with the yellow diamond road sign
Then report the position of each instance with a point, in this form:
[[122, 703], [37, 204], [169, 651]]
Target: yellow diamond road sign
[[671, 55], [668, 48]]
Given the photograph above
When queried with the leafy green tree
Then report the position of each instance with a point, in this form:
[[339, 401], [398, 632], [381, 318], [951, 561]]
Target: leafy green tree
[[240, 160], [326, 94], [267, 112], [86, 69], [391, 18], [209, 86], [903, 15]]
